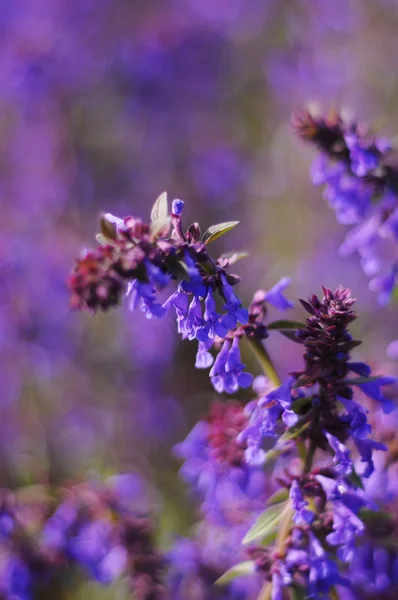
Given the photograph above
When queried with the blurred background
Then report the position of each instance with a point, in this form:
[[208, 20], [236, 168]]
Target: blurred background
[[103, 106]]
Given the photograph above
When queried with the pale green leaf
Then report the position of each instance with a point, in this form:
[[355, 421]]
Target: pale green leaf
[[216, 231], [265, 524], [160, 209], [234, 256], [244, 568], [295, 431], [279, 496], [357, 380], [160, 228], [285, 324]]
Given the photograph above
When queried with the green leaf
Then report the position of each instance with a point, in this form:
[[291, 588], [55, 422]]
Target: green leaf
[[216, 231], [293, 432], [160, 228], [357, 380], [378, 522], [285, 324], [290, 334], [244, 568], [265, 524], [279, 496], [160, 209], [108, 228], [356, 479], [298, 593], [233, 257]]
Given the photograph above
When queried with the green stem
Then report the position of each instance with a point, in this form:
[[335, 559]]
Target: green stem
[[265, 360]]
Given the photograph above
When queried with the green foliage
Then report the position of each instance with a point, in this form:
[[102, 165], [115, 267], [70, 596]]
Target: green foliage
[[216, 231], [266, 524], [280, 496], [244, 568], [160, 209], [285, 324], [233, 256]]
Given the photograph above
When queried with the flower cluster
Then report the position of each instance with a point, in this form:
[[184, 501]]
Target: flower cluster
[[94, 527], [316, 407], [232, 495], [316, 512], [140, 260], [361, 180], [214, 465]]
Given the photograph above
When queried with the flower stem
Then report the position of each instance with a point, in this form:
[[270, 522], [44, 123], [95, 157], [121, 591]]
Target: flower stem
[[265, 360]]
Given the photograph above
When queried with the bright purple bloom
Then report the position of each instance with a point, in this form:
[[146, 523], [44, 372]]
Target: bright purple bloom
[[302, 514], [365, 448], [177, 207], [341, 460], [275, 295], [235, 311], [227, 373], [264, 416], [347, 527], [214, 465], [204, 359], [373, 390]]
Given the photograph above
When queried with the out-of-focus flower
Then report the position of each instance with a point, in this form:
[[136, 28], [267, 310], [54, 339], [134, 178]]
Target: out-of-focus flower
[[362, 187]]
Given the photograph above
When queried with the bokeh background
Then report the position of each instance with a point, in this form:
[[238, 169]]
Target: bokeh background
[[105, 104]]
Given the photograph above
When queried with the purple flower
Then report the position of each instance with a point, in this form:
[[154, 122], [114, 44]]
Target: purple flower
[[341, 460], [356, 417], [211, 323], [214, 465], [373, 390], [365, 448], [227, 373], [177, 207], [204, 359], [347, 527], [93, 548], [282, 396], [145, 294], [264, 416], [361, 188], [302, 514], [384, 284], [275, 295], [235, 312], [15, 578]]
